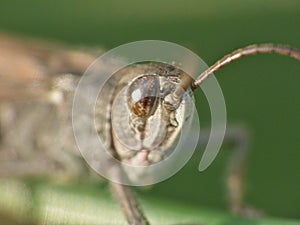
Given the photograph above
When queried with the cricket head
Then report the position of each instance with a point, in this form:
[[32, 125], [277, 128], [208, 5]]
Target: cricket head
[[146, 120]]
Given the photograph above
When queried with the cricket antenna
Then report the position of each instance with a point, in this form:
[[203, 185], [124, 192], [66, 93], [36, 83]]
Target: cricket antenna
[[246, 51], [172, 101]]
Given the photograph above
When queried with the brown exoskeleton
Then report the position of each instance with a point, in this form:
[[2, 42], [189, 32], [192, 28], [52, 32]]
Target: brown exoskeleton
[[37, 83]]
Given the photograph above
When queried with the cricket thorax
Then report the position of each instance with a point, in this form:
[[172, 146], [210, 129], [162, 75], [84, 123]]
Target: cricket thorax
[[143, 128]]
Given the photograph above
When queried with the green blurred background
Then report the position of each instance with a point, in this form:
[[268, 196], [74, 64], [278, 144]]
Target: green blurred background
[[261, 92]]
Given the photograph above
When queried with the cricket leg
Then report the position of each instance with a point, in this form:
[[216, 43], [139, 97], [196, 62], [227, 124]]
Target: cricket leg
[[239, 138], [124, 194], [129, 204]]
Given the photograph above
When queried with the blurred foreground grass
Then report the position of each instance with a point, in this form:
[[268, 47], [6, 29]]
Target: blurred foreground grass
[[92, 204]]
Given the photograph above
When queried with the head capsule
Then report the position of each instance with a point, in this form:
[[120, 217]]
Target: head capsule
[[144, 128]]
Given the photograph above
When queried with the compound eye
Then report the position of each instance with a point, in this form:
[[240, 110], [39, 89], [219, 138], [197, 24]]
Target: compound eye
[[143, 95]]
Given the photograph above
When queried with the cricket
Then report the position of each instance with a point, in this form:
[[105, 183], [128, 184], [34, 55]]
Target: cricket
[[37, 84]]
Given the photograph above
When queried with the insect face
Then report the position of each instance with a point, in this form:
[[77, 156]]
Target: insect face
[[144, 128]]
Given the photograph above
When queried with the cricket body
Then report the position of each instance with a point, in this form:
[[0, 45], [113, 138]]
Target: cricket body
[[35, 108], [151, 95]]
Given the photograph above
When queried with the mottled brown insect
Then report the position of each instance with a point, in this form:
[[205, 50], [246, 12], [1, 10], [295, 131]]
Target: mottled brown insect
[[37, 83]]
